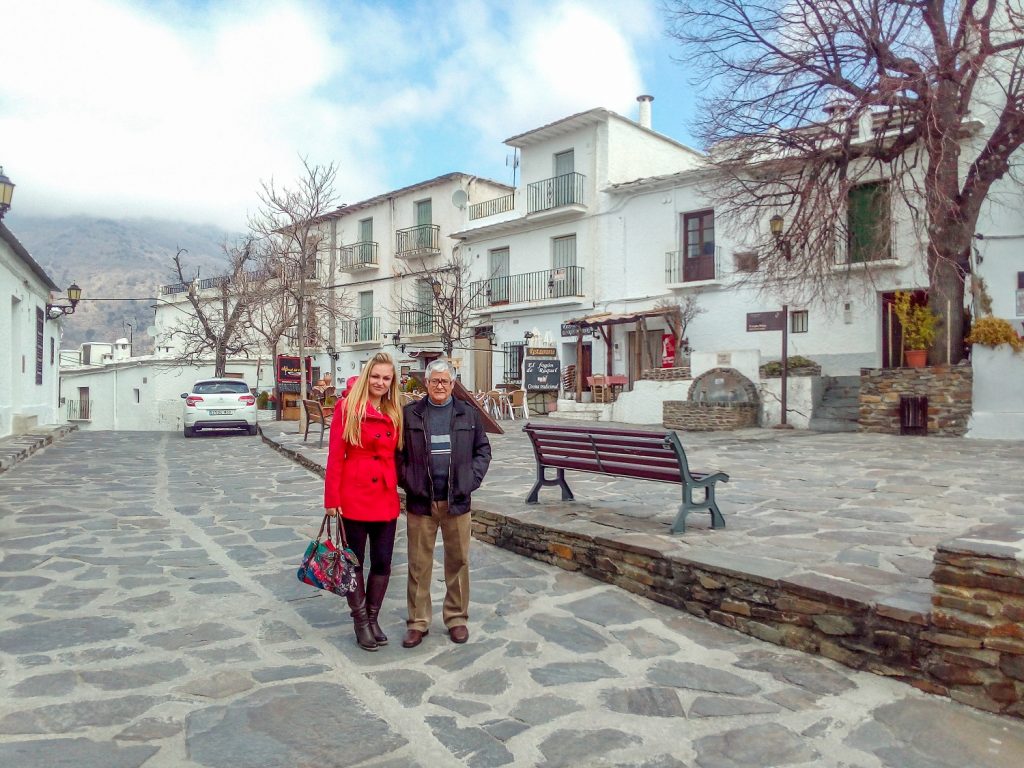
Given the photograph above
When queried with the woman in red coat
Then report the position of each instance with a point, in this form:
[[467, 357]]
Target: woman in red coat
[[362, 486]]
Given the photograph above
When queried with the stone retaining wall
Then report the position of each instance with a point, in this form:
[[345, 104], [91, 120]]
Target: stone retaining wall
[[709, 417], [948, 389], [666, 374], [969, 647]]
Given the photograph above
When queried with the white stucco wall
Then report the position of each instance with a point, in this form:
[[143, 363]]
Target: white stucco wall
[[643, 405], [112, 392], [23, 402], [998, 396]]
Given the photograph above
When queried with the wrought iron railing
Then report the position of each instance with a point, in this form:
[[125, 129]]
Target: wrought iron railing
[[358, 256], [529, 286], [566, 189], [79, 410], [426, 238], [358, 331], [419, 322], [707, 265], [492, 207], [255, 274]]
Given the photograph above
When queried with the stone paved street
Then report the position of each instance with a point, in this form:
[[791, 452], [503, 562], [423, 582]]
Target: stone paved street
[[150, 615]]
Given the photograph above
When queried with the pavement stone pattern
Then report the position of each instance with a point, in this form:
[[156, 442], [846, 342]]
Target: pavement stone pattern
[[864, 508], [150, 616]]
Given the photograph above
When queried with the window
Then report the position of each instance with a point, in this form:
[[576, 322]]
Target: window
[[219, 388], [53, 349], [40, 321], [364, 249], [746, 261], [798, 321], [365, 321], [698, 246], [1020, 294], [564, 188], [498, 285], [564, 274], [513, 353], [868, 223], [136, 393]]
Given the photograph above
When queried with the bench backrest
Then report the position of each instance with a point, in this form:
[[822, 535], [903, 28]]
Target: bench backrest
[[625, 453]]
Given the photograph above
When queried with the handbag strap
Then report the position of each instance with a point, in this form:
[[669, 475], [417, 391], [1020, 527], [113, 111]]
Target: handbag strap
[[325, 524], [341, 530]]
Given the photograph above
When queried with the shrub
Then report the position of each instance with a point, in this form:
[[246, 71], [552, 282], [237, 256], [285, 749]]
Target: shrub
[[993, 331], [774, 368], [262, 399], [917, 320]]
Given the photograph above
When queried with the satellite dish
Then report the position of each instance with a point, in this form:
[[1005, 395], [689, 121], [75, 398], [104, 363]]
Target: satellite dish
[[151, 331], [460, 198]]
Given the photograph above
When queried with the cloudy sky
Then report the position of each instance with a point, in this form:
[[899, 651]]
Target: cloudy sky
[[177, 109]]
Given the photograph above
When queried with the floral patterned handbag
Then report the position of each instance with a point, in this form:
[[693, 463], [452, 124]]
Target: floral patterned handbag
[[329, 563]]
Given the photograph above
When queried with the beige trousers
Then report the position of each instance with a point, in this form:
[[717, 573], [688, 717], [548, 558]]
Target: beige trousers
[[421, 533]]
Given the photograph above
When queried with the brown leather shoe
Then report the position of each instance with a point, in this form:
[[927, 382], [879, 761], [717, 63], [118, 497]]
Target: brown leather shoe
[[414, 637], [459, 634]]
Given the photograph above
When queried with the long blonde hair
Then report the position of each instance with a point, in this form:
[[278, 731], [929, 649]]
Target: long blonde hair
[[359, 396]]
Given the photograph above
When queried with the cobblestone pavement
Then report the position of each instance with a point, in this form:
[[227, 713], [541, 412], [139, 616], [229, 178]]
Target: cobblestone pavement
[[864, 508], [150, 615]]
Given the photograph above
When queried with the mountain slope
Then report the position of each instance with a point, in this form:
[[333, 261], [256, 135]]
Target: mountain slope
[[113, 260]]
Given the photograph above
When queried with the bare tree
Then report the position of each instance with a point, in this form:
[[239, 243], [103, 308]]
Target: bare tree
[[678, 316], [217, 319], [438, 299], [289, 223], [903, 82]]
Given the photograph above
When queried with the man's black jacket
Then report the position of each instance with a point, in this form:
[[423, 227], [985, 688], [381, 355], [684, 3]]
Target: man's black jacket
[[471, 455]]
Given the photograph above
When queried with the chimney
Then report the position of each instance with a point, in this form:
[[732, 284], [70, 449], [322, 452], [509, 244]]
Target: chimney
[[645, 111]]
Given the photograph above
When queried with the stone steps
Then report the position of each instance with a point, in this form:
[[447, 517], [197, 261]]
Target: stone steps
[[839, 410]]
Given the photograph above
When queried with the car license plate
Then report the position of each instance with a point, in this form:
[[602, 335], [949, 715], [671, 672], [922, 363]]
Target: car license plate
[[221, 413]]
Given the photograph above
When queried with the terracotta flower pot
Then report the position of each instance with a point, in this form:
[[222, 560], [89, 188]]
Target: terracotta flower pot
[[916, 358]]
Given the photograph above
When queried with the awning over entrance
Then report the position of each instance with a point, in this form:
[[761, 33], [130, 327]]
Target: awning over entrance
[[604, 320]]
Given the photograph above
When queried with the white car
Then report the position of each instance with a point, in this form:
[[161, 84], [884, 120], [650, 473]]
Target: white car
[[219, 404]]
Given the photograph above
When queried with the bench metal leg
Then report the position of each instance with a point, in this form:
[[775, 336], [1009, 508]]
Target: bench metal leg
[[689, 505], [542, 481], [322, 430]]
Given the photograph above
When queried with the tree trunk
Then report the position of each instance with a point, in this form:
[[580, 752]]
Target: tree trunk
[[946, 299]]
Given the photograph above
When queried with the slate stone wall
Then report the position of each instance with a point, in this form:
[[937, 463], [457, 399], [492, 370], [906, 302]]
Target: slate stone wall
[[948, 388], [666, 374], [969, 646], [709, 417]]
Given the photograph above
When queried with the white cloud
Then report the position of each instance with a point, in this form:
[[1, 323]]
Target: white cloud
[[180, 110]]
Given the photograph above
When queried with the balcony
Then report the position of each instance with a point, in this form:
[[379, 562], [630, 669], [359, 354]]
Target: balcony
[[529, 286], [79, 410], [703, 267], [365, 330], [492, 207], [424, 240], [358, 256], [557, 193], [419, 322]]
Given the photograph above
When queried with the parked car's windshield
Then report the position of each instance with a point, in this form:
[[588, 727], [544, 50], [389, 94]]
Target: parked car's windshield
[[220, 388]]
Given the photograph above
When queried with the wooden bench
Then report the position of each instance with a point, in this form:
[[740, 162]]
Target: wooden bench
[[621, 453], [317, 414]]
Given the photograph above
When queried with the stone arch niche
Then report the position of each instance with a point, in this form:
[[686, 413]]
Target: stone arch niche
[[719, 399]]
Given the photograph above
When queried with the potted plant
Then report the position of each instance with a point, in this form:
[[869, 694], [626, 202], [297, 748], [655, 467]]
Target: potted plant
[[918, 323]]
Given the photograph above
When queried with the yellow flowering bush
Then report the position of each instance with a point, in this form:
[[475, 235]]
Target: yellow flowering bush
[[993, 331]]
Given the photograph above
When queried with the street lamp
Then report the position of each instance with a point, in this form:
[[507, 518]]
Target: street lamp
[[332, 352], [776, 224], [53, 311], [6, 192]]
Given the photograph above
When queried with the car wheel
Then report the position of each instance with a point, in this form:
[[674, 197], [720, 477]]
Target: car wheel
[[252, 430], [189, 431]]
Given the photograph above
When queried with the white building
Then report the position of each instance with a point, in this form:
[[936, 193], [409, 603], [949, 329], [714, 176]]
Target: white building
[[383, 253], [28, 341], [562, 251], [126, 393]]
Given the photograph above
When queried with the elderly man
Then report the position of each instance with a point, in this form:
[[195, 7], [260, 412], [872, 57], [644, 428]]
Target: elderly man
[[444, 459]]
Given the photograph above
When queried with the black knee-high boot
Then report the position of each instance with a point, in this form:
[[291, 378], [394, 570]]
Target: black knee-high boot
[[360, 620], [376, 586]]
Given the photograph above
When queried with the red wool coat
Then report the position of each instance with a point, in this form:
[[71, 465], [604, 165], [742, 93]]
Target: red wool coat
[[362, 480]]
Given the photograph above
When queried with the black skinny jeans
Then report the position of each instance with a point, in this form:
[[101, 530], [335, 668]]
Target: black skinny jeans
[[382, 543]]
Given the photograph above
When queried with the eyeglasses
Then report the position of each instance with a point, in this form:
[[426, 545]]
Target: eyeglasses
[[439, 382]]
